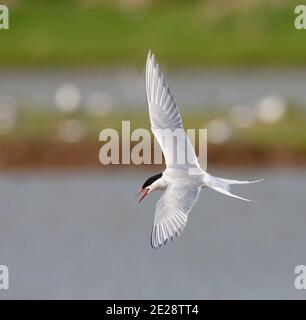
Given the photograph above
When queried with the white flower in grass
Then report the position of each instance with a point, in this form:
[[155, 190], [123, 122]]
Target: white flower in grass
[[68, 97], [271, 109], [242, 116], [218, 131], [8, 114], [99, 104]]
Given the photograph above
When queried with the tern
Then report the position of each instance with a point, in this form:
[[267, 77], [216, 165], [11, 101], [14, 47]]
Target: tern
[[181, 181]]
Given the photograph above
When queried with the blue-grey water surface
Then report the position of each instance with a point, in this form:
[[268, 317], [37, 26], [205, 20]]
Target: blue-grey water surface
[[192, 88], [83, 235]]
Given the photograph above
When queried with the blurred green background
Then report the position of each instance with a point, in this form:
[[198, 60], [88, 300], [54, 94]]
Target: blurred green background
[[190, 33], [55, 50]]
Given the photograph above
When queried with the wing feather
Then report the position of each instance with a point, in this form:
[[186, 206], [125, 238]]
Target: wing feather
[[172, 212], [164, 114]]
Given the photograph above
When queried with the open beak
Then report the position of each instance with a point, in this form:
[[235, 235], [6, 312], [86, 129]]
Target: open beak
[[144, 192]]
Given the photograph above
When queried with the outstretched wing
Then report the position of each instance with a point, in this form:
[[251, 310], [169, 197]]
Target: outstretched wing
[[172, 211], [166, 123]]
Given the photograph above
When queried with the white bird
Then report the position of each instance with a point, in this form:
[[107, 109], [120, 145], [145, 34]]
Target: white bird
[[183, 177]]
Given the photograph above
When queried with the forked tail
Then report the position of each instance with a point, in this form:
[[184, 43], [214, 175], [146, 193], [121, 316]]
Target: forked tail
[[224, 185]]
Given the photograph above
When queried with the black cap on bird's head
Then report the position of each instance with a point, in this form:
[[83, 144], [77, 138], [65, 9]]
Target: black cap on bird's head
[[149, 181], [145, 189]]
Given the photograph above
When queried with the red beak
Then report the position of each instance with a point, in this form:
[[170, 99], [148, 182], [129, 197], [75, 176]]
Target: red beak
[[138, 193], [145, 193]]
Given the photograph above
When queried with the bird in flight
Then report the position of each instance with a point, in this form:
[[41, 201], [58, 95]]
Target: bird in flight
[[183, 178]]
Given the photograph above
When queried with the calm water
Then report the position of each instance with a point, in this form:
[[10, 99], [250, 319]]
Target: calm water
[[83, 235], [125, 87]]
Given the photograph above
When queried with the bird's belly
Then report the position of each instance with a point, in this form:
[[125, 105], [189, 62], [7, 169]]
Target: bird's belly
[[194, 177]]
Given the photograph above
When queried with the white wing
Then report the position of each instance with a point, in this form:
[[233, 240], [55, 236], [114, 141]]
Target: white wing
[[172, 211], [166, 120]]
